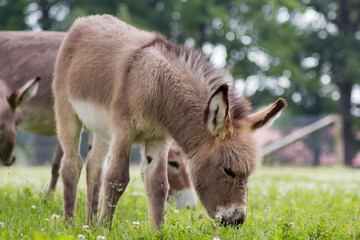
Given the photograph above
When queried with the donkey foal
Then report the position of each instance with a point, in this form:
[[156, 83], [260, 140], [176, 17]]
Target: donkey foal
[[127, 85]]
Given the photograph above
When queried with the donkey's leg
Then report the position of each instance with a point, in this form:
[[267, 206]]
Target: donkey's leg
[[156, 179], [69, 131], [94, 166], [117, 176], [55, 167]]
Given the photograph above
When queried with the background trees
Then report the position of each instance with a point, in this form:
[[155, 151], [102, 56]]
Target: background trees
[[307, 51]]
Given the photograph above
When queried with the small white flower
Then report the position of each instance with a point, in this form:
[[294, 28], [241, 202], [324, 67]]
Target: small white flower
[[80, 237], [216, 238], [33, 207], [136, 223], [291, 224], [55, 217], [47, 219], [43, 229], [100, 237], [189, 229], [85, 228], [176, 211], [1, 224]]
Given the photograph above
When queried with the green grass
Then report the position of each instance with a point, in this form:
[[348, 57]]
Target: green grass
[[283, 203]]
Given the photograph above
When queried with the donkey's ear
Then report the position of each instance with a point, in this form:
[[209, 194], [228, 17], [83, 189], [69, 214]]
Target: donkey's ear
[[268, 115], [217, 113], [27, 91]]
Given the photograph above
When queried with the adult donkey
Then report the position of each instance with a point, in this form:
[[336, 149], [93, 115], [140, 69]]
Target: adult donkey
[[10, 115], [127, 85], [26, 54]]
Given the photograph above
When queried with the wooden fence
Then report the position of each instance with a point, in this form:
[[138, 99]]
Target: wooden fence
[[309, 129]]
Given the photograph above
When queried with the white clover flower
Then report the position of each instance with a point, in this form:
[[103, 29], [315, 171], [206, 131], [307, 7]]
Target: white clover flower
[[189, 229], [100, 237], [176, 211], [43, 230], [216, 238], [55, 217], [85, 228], [1, 224], [136, 223], [33, 207], [80, 237], [47, 219], [291, 224]]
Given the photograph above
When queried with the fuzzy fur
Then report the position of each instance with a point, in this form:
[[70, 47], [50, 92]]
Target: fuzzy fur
[[151, 90]]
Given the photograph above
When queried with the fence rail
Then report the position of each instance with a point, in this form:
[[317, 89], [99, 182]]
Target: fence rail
[[309, 129]]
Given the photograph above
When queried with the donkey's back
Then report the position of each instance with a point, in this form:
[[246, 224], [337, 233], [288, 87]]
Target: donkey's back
[[97, 52]]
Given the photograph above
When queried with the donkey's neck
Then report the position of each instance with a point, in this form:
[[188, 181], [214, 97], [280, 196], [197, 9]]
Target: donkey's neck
[[182, 106]]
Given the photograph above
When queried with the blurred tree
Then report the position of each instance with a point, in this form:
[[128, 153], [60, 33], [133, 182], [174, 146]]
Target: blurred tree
[[307, 51], [322, 56], [12, 15]]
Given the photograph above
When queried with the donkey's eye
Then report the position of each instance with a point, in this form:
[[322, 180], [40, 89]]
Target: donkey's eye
[[229, 172], [174, 164]]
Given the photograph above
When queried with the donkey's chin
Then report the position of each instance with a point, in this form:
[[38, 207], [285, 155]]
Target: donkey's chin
[[234, 215]]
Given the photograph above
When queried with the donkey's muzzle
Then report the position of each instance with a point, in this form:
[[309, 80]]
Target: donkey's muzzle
[[235, 221], [12, 160]]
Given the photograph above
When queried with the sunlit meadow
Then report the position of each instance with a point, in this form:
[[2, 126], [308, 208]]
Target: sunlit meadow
[[283, 203]]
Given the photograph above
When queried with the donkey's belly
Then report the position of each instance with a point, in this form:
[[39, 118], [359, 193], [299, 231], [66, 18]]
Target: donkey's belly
[[95, 118]]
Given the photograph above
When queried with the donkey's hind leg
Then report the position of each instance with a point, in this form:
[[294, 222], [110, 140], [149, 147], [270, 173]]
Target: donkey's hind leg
[[69, 131], [94, 166], [156, 179]]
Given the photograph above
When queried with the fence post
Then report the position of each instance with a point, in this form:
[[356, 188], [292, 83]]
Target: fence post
[[339, 139]]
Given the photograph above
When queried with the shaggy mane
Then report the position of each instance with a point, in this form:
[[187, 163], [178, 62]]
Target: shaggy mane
[[200, 66]]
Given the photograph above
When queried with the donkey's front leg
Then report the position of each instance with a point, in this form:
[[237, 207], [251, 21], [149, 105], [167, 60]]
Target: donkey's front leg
[[116, 178], [156, 179]]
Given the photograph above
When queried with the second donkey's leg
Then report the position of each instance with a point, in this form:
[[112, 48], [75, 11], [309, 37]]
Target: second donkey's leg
[[156, 179], [94, 166], [56, 162]]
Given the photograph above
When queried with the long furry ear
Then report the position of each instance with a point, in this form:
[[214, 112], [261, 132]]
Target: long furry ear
[[217, 113], [27, 91], [268, 115]]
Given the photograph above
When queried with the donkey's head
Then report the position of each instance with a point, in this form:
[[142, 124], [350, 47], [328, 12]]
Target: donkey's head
[[10, 115], [179, 179], [221, 168]]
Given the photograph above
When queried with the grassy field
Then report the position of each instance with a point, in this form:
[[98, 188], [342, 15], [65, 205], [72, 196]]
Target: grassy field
[[283, 203]]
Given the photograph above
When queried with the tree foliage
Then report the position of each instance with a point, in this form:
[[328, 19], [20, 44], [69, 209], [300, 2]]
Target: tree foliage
[[307, 51]]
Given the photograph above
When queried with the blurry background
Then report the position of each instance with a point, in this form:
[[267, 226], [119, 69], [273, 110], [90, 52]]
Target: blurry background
[[307, 52]]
